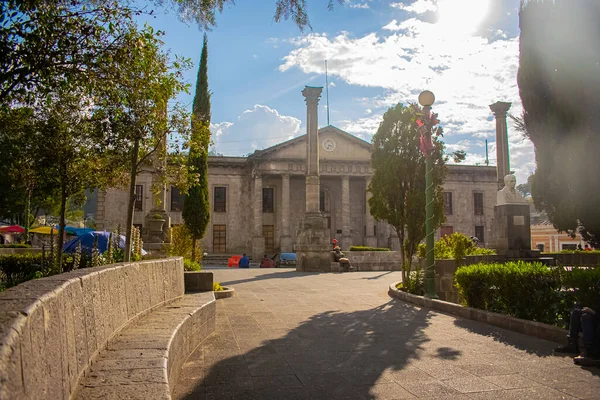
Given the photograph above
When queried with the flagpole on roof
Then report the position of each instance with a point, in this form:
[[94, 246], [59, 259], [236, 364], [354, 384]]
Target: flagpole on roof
[[327, 91]]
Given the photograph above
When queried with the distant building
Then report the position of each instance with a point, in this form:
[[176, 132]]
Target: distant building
[[546, 238], [271, 183]]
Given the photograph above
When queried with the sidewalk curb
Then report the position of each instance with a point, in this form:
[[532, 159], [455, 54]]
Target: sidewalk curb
[[530, 328]]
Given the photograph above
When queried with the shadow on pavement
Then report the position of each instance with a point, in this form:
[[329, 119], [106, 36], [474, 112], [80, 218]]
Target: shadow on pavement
[[331, 355], [273, 275]]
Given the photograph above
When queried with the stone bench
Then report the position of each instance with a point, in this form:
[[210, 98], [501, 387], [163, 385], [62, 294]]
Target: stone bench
[[52, 329], [144, 360]]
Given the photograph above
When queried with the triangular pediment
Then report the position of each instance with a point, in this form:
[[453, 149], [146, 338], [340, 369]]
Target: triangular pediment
[[334, 144]]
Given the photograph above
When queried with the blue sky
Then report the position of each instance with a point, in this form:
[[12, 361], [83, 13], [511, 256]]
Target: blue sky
[[379, 53]]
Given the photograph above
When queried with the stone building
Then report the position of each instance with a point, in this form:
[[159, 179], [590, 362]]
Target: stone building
[[257, 201]]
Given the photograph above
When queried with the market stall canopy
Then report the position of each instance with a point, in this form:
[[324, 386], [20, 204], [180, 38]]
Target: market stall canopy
[[44, 230], [12, 229], [87, 242]]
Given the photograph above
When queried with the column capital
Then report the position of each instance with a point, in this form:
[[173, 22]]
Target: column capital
[[500, 108], [286, 175], [312, 94], [257, 174]]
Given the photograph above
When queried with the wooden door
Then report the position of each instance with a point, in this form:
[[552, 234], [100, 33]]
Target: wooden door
[[219, 239], [269, 235]]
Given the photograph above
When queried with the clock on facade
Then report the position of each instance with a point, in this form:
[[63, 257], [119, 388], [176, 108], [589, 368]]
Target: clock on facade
[[329, 144]]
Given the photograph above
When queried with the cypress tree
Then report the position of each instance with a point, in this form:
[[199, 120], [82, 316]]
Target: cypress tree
[[559, 77], [196, 209]]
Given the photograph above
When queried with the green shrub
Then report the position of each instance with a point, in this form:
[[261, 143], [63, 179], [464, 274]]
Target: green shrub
[[18, 268], [520, 289], [581, 285], [181, 243], [367, 248], [190, 265], [414, 283], [15, 246], [217, 287], [456, 247]]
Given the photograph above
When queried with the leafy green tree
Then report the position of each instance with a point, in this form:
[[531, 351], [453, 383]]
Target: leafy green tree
[[143, 128], [196, 209], [558, 77], [45, 44], [398, 183]]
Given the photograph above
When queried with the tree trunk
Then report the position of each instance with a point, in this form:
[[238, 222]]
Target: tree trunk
[[400, 234], [194, 248], [61, 228], [131, 201]]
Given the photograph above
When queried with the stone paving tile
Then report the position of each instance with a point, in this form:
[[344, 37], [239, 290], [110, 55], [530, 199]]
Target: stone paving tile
[[288, 335]]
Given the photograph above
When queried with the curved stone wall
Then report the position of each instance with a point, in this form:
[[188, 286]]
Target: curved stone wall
[[51, 328]]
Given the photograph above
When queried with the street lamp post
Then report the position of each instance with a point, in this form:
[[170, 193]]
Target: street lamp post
[[426, 99]]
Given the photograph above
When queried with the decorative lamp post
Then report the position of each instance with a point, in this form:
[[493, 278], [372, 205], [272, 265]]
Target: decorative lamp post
[[426, 99]]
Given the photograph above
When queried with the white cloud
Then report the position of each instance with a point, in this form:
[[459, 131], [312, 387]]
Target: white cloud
[[467, 73], [254, 129], [331, 84], [418, 7], [359, 5]]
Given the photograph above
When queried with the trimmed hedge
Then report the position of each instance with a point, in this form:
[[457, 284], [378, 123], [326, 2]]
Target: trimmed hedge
[[367, 248], [18, 268], [528, 290], [15, 246]]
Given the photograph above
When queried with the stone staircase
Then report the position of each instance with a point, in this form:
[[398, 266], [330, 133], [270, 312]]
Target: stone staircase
[[219, 259]]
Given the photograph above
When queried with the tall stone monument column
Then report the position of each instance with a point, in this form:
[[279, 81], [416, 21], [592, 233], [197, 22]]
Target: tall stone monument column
[[346, 234], [371, 239], [258, 240], [500, 109], [158, 221], [285, 242], [312, 240]]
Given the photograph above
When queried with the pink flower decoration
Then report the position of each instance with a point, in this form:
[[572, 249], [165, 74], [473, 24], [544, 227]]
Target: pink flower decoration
[[420, 123]]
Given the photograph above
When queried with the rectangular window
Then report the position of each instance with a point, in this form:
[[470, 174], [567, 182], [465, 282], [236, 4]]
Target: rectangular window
[[480, 233], [176, 200], [448, 203], [220, 199], [478, 203], [568, 246], [267, 200], [269, 235], [219, 239], [446, 230], [139, 196]]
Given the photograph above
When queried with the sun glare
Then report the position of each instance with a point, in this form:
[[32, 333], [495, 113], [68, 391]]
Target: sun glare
[[461, 16]]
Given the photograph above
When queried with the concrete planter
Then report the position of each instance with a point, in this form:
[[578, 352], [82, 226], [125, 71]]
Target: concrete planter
[[225, 293], [375, 260], [156, 225], [198, 281], [530, 328]]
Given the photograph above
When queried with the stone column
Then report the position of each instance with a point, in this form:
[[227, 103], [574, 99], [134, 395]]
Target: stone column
[[371, 239], [258, 240], [286, 239], [346, 241], [500, 109], [157, 222], [312, 245], [312, 96]]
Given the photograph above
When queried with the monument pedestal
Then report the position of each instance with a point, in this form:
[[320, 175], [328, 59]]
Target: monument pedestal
[[313, 252], [512, 231]]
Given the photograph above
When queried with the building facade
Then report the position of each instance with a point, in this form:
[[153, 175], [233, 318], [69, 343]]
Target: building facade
[[262, 197]]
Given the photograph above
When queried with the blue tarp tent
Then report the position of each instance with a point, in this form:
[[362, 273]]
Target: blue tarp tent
[[71, 230], [87, 243]]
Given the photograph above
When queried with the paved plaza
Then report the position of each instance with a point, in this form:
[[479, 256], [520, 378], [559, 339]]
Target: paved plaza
[[289, 335]]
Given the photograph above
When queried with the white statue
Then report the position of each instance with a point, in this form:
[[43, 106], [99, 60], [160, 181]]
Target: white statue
[[508, 194]]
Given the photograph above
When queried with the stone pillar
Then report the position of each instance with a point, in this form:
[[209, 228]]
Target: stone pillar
[[157, 222], [500, 109], [258, 240], [312, 246], [346, 241], [371, 239], [286, 240], [312, 96]]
